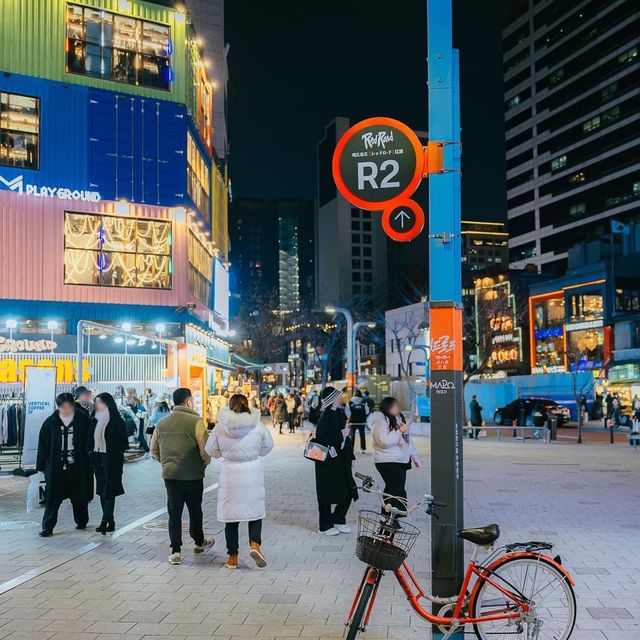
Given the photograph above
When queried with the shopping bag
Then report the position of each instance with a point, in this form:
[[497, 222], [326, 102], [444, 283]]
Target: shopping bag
[[32, 491]]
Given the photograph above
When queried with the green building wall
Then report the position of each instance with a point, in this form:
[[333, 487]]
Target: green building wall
[[33, 33]]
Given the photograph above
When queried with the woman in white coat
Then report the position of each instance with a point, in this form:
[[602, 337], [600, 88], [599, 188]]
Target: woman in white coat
[[393, 451], [240, 439]]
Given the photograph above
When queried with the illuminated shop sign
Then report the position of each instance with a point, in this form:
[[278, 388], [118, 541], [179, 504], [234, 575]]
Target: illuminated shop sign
[[13, 370], [9, 345], [548, 369], [578, 326], [61, 193], [554, 332]]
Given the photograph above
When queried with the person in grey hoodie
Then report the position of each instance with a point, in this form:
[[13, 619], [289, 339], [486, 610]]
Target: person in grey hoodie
[[178, 443], [393, 451]]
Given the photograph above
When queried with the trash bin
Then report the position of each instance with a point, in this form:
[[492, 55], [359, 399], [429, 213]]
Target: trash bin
[[552, 424]]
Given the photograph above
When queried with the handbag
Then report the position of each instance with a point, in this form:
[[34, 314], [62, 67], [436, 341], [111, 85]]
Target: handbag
[[315, 451]]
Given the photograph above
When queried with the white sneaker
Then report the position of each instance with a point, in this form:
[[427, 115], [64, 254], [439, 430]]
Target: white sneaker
[[175, 558], [342, 528], [201, 548], [330, 532]]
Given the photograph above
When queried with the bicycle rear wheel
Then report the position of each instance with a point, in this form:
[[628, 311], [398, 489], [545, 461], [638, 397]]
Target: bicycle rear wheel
[[355, 625], [546, 588]]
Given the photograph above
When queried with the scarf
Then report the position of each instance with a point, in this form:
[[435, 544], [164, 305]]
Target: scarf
[[102, 420], [67, 451]]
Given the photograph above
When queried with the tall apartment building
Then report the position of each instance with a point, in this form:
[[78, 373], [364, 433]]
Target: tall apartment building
[[572, 124], [351, 247], [272, 251], [484, 244]]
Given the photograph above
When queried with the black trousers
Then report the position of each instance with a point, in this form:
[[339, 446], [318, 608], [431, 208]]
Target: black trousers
[[360, 429], [80, 514], [291, 419], [108, 507], [179, 493], [142, 439], [231, 534], [394, 475], [329, 516]]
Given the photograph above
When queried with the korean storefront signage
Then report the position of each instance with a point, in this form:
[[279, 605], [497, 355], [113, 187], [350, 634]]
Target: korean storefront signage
[[10, 345], [38, 191], [579, 326]]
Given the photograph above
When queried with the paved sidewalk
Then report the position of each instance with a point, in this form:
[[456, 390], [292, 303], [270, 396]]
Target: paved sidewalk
[[83, 586]]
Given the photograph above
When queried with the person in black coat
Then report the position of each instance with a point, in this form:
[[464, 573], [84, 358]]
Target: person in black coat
[[475, 416], [334, 478], [64, 458], [109, 442]]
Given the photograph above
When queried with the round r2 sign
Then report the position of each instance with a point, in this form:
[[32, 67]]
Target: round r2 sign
[[377, 161]]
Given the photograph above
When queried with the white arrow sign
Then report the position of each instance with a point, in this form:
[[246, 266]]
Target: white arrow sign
[[402, 216]]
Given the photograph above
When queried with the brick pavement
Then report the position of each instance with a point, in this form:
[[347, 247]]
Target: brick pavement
[[90, 587]]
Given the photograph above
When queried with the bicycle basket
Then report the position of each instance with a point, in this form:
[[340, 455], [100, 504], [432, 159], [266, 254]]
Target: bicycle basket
[[381, 545]]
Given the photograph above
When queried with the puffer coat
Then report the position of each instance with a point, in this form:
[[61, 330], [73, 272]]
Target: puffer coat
[[241, 440]]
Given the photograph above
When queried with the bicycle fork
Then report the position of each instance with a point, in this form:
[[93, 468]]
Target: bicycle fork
[[371, 576]]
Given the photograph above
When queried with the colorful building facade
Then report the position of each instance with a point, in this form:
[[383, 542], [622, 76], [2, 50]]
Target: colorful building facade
[[113, 204]]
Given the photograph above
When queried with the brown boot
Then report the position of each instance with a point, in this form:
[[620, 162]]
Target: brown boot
[[232, 561], [257, 555]]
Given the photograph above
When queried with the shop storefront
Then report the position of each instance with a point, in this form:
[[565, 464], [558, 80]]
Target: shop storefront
[[548, 341]]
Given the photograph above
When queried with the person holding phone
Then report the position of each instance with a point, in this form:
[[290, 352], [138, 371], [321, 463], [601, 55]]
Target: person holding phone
[[393, 451]]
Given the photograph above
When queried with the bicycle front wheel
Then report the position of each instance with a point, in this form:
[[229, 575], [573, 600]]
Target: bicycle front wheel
[[545, 587], [355, 625]]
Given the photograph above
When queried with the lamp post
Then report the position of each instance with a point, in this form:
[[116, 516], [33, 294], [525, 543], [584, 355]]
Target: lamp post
[[351, 375], [427, 355], [11, 325], [356, 327]]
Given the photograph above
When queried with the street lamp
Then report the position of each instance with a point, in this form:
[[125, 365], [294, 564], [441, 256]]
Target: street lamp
[[356, 327], [11, 325], [351, 374], [52, 325]]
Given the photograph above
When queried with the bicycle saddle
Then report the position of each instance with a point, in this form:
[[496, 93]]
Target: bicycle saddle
[[483, 536]]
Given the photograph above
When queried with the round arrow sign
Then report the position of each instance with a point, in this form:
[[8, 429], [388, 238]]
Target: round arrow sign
[[376, 162], [403, 221]]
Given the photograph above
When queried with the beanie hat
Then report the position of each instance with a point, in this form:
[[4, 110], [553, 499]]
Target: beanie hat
[[328, 395]]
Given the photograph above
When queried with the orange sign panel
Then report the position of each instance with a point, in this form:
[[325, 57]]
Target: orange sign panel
[[446, 338]]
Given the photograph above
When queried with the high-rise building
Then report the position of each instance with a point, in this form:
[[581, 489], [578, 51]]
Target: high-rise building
[[484, 244], [272, 251], [572, 124], [351, 247]]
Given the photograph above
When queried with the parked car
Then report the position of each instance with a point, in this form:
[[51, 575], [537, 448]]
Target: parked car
[[507, 414]]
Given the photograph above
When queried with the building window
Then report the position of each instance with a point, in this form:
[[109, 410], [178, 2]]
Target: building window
[[513, 103], [198, 178], [200, 269], [592, 124], [355, 264], [608, 92], [611, 115], [578, 178], [355, 238], [19, 130], [113, 251], [366, 239], [366, 251], [628, 56], [585, 307], [577, 209], [120, 48], [558, 163], [356, 276], [556, 76], [355, 225], [355, 251], [355, 213]]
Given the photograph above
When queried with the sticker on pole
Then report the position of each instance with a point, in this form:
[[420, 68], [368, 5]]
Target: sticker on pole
[[376, 162], [403, 221]]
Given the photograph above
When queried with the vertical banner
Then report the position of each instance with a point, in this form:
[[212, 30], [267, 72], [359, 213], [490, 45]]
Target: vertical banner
[[39, 394]]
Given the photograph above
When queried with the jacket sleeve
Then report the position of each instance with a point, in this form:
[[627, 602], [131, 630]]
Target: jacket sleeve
[[212, 447], [267, 442], [347, 410], [43, 449], [123, 437], [155, 445], [383, 437], [202, 436]]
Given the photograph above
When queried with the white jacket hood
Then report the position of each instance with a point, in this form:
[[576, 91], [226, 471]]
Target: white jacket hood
[[237, 425]]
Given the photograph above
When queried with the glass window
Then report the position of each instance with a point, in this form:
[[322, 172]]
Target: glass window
[[366, 251], [628, 56], [355, 251], [198, 178], [356, 276], [355, 225], [200, 269], [584, 307], [355, 264], [19, 130], [577, 209], [120, 48], [366, 239], [592, 124], [558, 163], [586, 349], [114, 251]]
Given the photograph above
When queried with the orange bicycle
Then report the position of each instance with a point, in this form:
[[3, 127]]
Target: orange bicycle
[[518, 591]]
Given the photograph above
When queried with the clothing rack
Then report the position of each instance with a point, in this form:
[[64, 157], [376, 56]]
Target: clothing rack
[[12, 417]]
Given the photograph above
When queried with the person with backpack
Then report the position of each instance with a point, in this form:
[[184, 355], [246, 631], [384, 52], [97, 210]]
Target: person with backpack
[[357, 412]]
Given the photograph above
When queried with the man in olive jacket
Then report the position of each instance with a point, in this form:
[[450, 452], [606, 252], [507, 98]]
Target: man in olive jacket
[[178, 444]]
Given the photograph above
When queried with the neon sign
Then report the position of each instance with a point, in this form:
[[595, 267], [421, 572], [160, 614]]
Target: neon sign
[[61, 193]]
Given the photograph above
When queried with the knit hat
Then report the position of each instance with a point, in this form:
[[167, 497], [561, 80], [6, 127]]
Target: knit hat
[[328, 395]]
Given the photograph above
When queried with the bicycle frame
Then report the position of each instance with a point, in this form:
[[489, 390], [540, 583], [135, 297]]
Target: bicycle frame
[[415, 592]]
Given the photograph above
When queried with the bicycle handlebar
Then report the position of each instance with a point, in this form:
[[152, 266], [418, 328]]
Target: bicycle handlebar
[[368, 483]]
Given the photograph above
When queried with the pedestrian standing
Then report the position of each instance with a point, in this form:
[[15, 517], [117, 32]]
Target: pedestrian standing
[[290, 402], [313, 407], [279, 412], [241, 440], [64, 459], [271, 407], [475, 416], [357, 412], [83, 399], [178, 443], [334, 478], [160, 410], [393, 451], [109, 441]]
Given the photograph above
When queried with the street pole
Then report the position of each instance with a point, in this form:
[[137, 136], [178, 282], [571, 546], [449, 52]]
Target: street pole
[[445, 306], [351, 374], [356, 356]]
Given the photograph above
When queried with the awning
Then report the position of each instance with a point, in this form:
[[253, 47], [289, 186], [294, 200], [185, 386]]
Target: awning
[[221, 364], [246, 363]]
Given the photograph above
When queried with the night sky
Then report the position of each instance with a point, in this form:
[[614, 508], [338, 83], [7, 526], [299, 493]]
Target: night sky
[[294, 66]]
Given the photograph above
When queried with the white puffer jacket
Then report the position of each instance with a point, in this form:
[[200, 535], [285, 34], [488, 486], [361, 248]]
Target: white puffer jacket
[[389, 445], [240, 439]]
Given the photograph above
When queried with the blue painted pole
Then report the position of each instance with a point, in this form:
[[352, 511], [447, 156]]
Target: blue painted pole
[[445, 306]]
